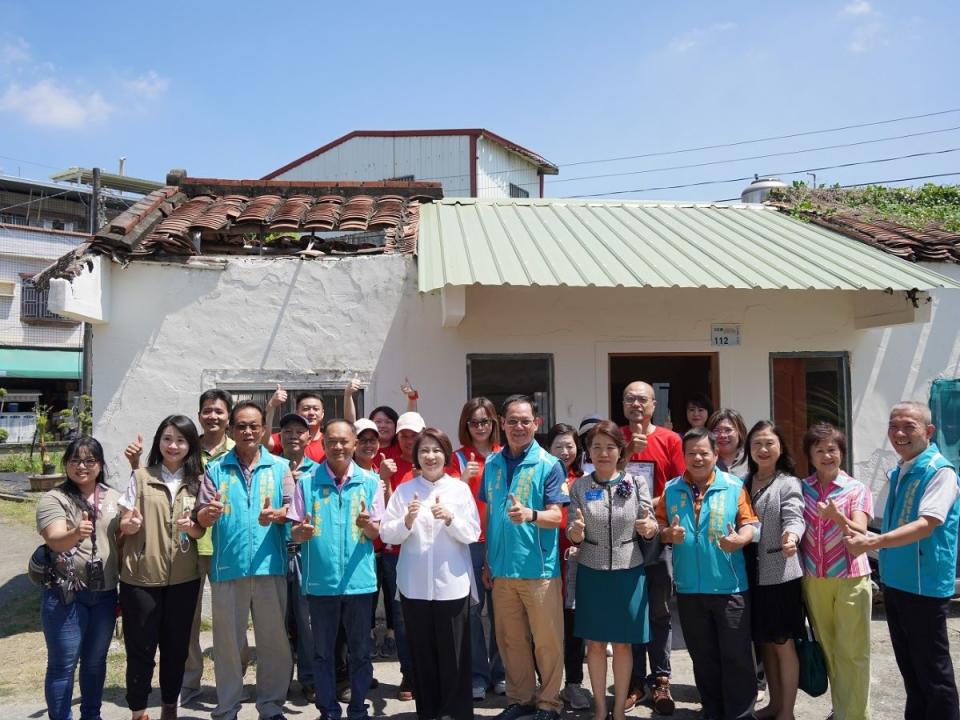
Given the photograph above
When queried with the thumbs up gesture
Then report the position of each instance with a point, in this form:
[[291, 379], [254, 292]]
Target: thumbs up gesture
[[363, 517], [352, 387], [646, 525], [517, 512], [829, 511], [413, 508], [407, 389], [303, 530], [266, 515], [388, 469], [131, 522], [858, 543], [133, 451], [731, 541], [674, 533], [440, 512], [577, 529], [184, 523], [788, 541], [472, 469], [211, 512], [638, 443], [85, 528], [278, 398]]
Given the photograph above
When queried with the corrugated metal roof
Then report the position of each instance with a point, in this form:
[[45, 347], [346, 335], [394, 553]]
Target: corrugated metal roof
[[582, 243]]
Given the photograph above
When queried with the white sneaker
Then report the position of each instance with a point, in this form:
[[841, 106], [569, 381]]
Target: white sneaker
[[761, 695], [575, 696], [500, 687]]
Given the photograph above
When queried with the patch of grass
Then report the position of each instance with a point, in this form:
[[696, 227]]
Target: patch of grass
[[21, 513], [21, 613], [20, 462]]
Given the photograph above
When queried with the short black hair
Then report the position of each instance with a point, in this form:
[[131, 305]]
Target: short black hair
[[216, 394], [334, 421], [696, 434], [519, 398], [308, 394], [245, 404]]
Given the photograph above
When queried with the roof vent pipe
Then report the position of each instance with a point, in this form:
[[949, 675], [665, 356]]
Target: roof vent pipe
[[759, 189]]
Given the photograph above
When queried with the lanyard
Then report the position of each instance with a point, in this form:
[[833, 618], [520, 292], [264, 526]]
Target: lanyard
[[96, 510]]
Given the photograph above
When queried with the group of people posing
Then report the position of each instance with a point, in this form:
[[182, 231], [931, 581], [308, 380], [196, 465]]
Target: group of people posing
[[576, 549]]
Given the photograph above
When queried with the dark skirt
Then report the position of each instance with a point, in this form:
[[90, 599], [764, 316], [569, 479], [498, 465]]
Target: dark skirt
[[612, 605], [777, 612]]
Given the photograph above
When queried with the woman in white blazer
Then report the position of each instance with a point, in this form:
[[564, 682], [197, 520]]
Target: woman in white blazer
[[433, 518]]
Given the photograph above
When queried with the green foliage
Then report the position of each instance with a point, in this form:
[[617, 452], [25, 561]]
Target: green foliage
[[936, 206], [4, 434], [80, 416], [20, 462]]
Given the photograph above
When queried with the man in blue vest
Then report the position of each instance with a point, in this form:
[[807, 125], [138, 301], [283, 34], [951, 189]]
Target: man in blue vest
[[918, 560], [523, 486], [336, 514], [244, 498]]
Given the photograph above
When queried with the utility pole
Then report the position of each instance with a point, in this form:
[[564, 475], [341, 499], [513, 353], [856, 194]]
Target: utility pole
[[86, 381]]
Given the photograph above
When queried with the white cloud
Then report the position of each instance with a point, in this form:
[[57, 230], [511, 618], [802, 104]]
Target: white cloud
[[14, 51], [150, 85], [48, 104], [866, 37], [858, 8], [698, 36]]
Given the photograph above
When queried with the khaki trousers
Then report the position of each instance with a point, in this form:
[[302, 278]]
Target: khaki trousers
[[839, 609], [233, 601], [530, 621]]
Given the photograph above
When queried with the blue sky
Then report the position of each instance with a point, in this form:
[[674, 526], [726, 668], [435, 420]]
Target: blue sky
[[238, 89]]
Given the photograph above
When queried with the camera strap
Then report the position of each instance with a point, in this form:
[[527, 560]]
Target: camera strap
[[96, 511]]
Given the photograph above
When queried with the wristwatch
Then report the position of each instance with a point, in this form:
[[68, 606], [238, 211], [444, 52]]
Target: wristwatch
[[533, 517]]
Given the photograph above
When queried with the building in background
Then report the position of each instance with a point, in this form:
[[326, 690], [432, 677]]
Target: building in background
[[467, 163]]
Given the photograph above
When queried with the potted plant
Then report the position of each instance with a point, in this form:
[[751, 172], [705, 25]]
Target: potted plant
[[4, 433], [48, 477], [79, 418]]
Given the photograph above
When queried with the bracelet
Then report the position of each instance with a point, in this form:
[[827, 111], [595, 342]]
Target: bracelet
[[533, 517], [415, 395]]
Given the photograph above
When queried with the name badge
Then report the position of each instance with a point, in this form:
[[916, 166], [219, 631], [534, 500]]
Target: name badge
[[644, 471], [592, 495]]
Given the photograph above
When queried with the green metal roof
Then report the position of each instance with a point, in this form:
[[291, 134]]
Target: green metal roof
[[582, 243], [53, 364]]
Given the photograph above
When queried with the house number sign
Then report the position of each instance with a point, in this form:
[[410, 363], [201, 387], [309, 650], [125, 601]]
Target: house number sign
[[724, 335]]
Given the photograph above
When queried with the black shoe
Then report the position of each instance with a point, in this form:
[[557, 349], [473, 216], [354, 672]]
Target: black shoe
[[515, 711], [343, 692], [550, 715]]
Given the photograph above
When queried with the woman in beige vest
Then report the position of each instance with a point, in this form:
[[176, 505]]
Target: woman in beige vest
[[159, 577]]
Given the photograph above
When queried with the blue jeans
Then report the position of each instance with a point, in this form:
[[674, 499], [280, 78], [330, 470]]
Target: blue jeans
[[78, 632], [485, 663], [326, 615], [399, 629], [298, 622]]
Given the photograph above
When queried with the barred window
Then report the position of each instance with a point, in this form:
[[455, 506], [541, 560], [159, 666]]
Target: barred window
[[33, 303]]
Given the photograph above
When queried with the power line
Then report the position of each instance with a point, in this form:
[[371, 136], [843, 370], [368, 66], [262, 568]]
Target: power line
[[29, 162], [756, 157], [750, 177], [765, 139], [872, 182]]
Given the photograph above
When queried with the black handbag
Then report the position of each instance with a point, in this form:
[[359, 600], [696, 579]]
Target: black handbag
[[813, 666]]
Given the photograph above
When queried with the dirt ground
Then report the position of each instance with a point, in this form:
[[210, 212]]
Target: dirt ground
[[23, 658]]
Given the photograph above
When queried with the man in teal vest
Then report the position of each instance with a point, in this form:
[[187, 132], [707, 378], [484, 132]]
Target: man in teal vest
[[244, 498], [523, 486], [918, 560], [707, 516], [336, 514]]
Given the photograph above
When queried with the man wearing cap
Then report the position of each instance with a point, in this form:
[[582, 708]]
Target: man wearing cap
[[657, 455], [523, 489], [244, 498], [309, 405], [294, 436], [918, 561], [336, 514], [409, 425]]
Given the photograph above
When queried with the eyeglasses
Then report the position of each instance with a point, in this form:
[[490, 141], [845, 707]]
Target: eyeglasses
[[85, 462], [479, 423], [631, 399], [521, 422]]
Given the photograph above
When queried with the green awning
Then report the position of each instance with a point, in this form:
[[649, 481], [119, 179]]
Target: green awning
[[50, 364]]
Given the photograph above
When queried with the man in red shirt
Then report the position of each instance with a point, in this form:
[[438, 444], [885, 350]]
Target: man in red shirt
[[656, 454], [309, 406]]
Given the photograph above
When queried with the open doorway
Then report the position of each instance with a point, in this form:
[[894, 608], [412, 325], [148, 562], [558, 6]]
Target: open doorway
[[675, 377]]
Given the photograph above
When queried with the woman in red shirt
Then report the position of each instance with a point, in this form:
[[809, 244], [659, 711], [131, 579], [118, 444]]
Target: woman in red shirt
[[479, 434]]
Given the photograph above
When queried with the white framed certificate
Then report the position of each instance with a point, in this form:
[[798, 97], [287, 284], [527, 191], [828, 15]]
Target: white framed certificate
[[643, 469]]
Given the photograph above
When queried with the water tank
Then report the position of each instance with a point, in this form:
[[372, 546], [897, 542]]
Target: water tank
[[759, 189]]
